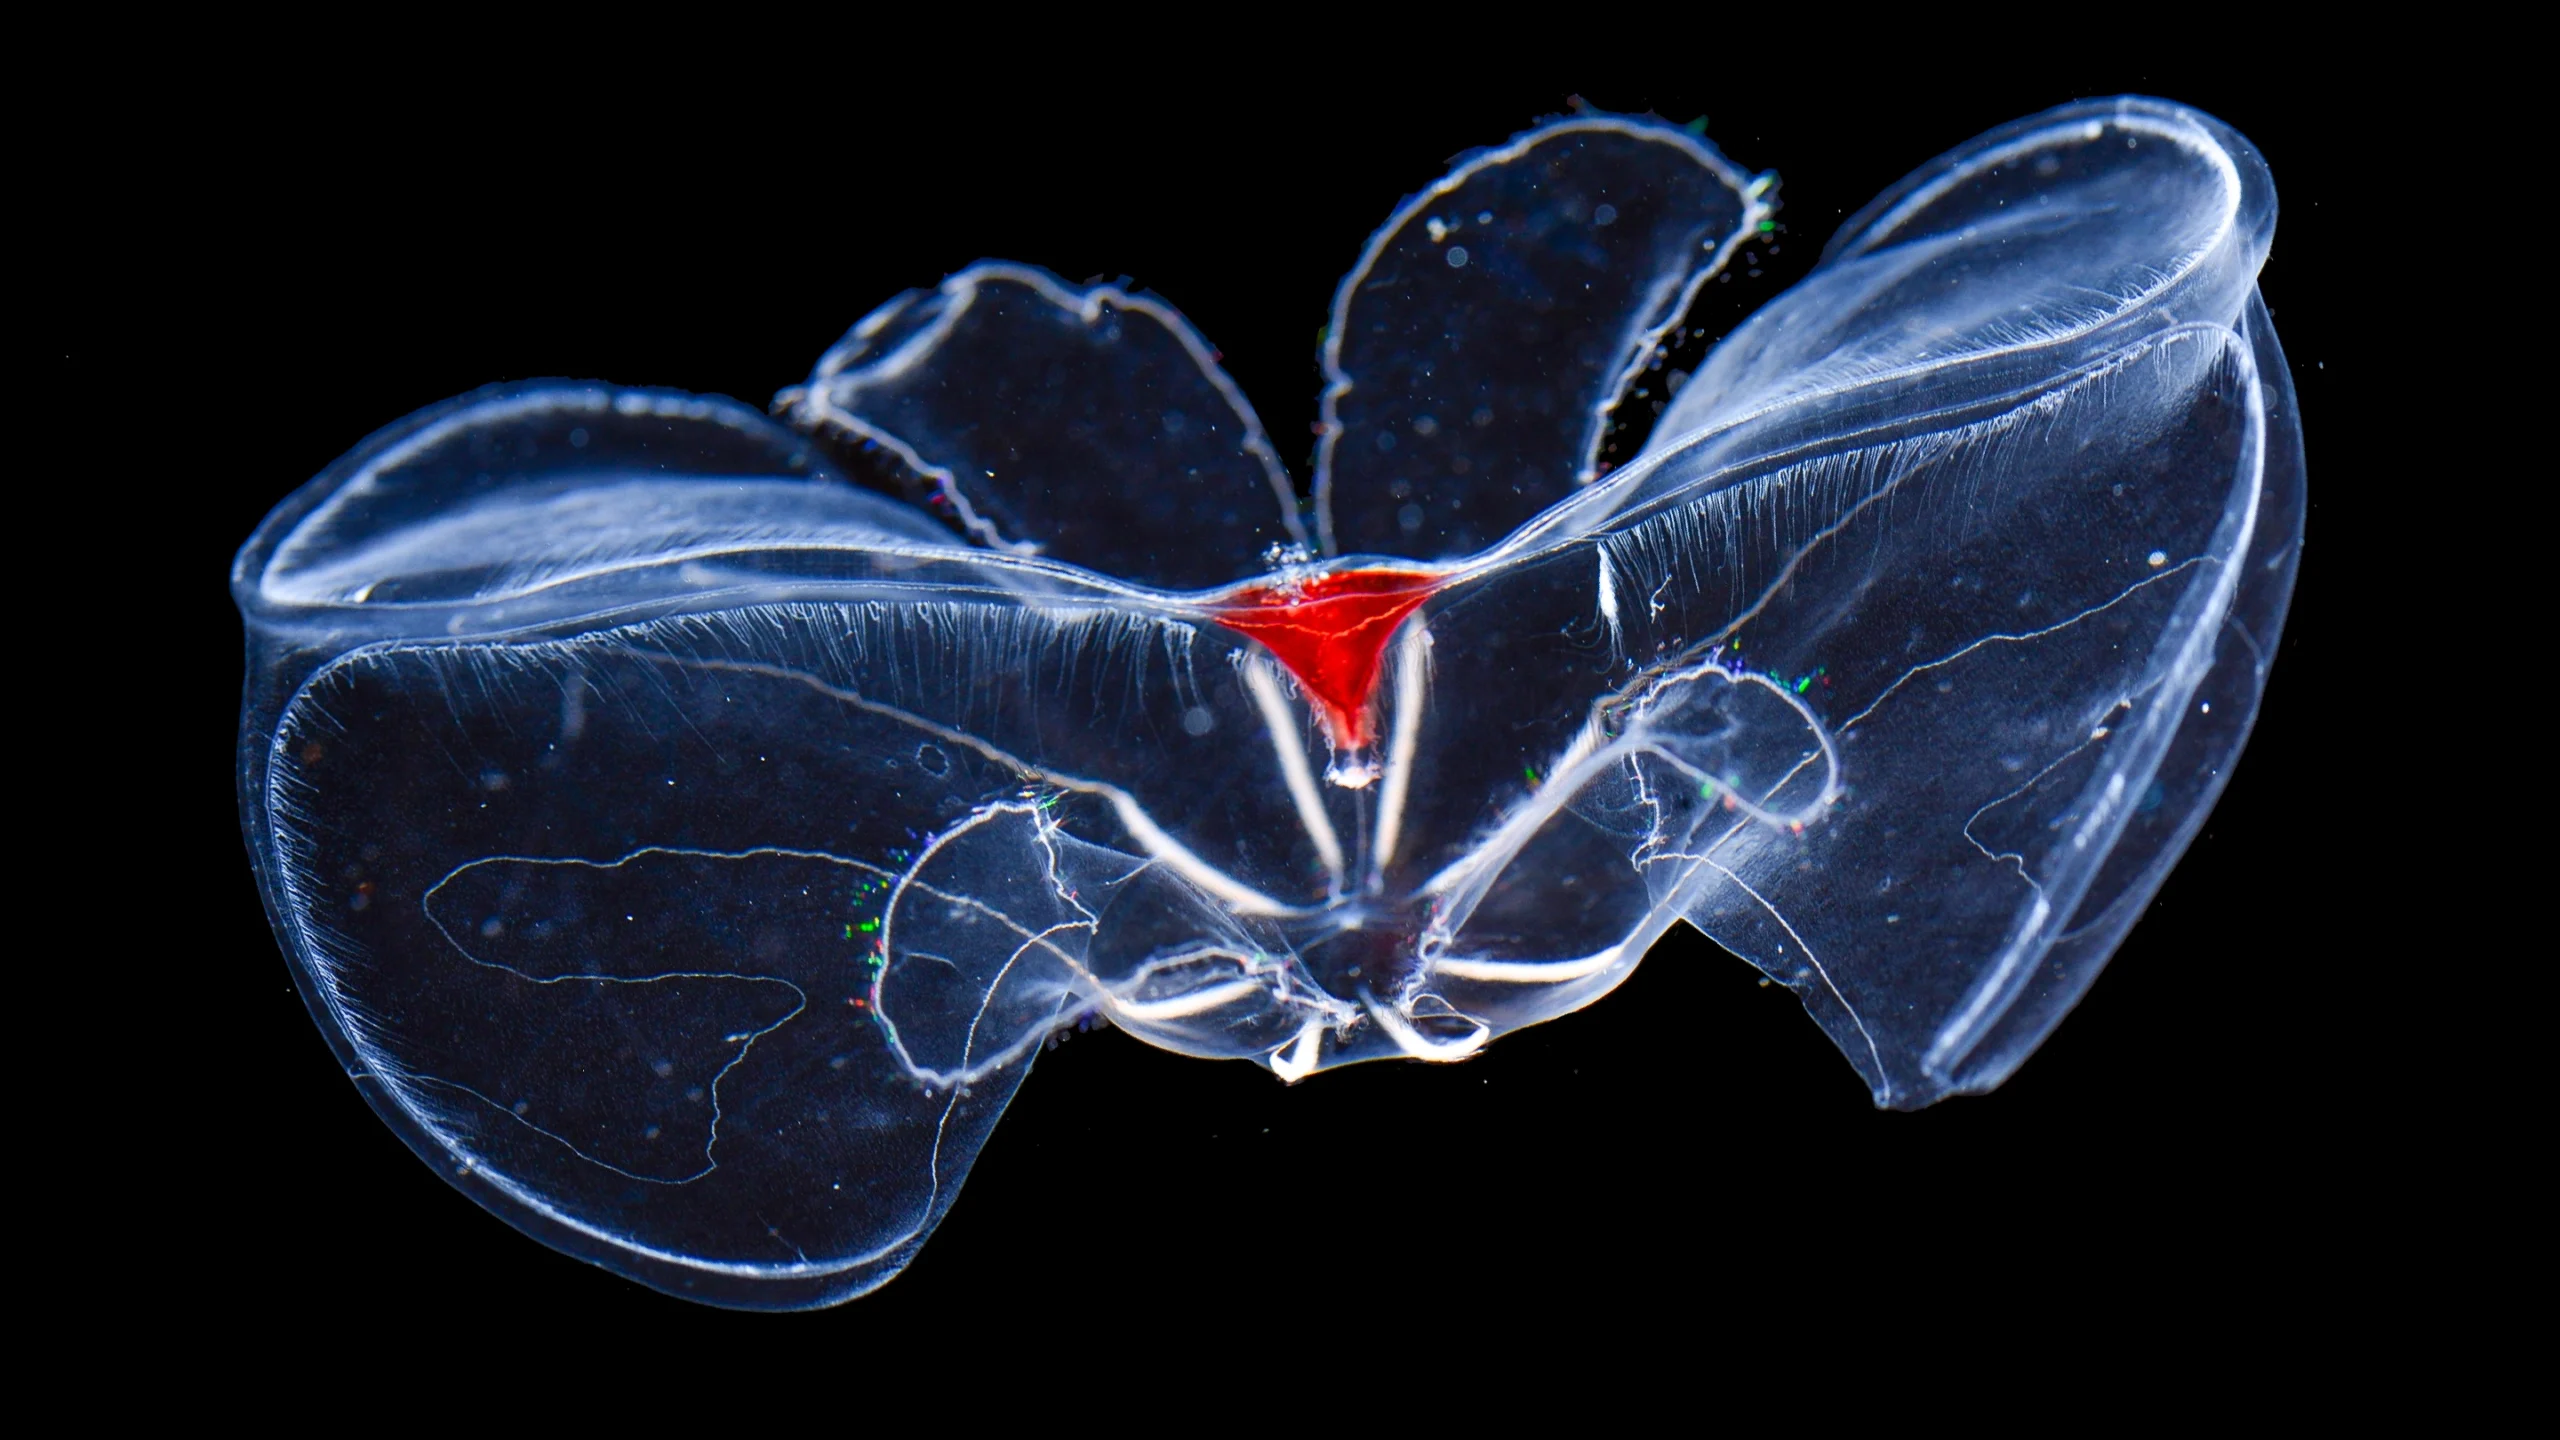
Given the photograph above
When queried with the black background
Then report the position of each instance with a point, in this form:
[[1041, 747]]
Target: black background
[[316, 261]]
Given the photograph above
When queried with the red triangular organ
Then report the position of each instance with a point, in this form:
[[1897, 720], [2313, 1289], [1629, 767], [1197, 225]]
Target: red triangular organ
[[1331, 631]]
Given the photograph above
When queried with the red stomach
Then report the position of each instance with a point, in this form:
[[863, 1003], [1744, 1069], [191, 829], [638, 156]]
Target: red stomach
[[1331, 631]]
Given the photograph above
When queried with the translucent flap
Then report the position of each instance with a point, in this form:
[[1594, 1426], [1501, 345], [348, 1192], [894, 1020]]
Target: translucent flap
[[1491, 325], [1089, 426], [2041, 245]]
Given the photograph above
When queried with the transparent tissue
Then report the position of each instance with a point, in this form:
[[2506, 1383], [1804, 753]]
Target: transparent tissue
[[688, 850]]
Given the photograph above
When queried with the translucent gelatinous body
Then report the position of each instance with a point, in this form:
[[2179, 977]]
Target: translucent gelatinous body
[[689, 849]]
